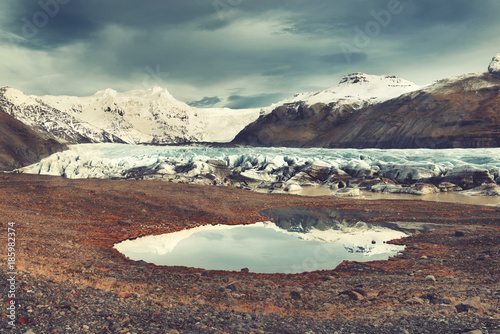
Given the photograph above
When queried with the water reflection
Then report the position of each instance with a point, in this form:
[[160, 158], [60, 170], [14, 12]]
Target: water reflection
[[307, 242]]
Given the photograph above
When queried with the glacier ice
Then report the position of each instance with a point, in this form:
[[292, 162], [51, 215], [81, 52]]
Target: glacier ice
[[291, 167]]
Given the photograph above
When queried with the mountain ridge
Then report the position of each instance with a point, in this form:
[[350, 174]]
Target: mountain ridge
[[455, 112]]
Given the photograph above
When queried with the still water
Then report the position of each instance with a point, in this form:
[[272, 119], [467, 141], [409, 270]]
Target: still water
[[265, 247]]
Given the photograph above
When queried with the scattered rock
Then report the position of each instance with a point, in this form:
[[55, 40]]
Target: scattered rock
[[295, 295], [124, 295], [472, 304], [109, 281], [353, 295], [415, 301], [477, 331], [235, 286]]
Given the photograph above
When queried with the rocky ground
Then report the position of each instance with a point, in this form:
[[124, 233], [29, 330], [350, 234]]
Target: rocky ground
[[70, 279]]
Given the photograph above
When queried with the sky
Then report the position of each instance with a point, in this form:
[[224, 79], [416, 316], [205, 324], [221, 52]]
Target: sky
[[238, 53]]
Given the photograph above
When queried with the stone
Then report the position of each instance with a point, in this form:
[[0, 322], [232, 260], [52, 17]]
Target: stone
[[459, 234], [295, 295], [353, 295], [235, 286], [472, 304], [476, 331], [430, 278], [124, 295], [109, 281], [415, 301]]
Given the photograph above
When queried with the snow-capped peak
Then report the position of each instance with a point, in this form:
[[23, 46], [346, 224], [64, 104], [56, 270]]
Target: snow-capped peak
[[107, 92], [365, 86], [16, 96], [136, 116], [357, 88], [494, 67]]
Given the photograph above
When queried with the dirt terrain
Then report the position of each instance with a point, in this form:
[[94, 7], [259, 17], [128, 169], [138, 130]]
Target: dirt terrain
[[70, 280]]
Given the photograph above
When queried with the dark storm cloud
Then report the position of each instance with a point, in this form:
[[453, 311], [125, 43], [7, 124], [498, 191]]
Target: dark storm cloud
[[218, 43]]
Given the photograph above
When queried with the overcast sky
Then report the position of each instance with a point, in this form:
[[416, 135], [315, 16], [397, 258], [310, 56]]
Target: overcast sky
[[238, 53]]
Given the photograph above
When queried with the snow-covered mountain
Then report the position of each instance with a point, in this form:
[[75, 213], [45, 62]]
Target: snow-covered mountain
[[151, 116], [462, 111], [355, 89]]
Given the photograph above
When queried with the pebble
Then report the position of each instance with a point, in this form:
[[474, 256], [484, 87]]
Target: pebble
[[430, 278]]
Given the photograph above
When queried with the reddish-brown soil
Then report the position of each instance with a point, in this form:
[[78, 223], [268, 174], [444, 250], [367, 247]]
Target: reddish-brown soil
[[65, 231]]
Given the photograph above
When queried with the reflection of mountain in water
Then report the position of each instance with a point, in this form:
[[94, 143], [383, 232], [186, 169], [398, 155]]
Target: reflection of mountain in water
[[359, 249], [303, 220]]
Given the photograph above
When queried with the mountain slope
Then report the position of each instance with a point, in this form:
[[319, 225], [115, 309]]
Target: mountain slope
[[21, 146], [355, 89], [152, 116], [455, 112]]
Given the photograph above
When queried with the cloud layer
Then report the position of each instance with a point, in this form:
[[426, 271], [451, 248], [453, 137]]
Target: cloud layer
[[238, 53]]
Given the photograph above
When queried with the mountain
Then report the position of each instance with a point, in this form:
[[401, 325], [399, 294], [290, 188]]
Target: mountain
[[20, 145], [151, 116], [356, 90], [456, 112]]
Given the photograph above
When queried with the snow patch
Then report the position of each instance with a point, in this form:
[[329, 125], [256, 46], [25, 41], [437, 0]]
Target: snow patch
[[494, 66]]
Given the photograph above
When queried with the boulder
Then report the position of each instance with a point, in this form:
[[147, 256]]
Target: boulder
[[472, 304]]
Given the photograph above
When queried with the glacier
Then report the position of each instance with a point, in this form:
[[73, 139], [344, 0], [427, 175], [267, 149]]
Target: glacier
[[409, 170]]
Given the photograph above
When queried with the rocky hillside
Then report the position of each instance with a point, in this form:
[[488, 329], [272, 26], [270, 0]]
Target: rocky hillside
[[150, 116], [456, 112], [20, 145]]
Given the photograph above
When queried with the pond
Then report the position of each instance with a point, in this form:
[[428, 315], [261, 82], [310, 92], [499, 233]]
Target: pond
[[284, 246]]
